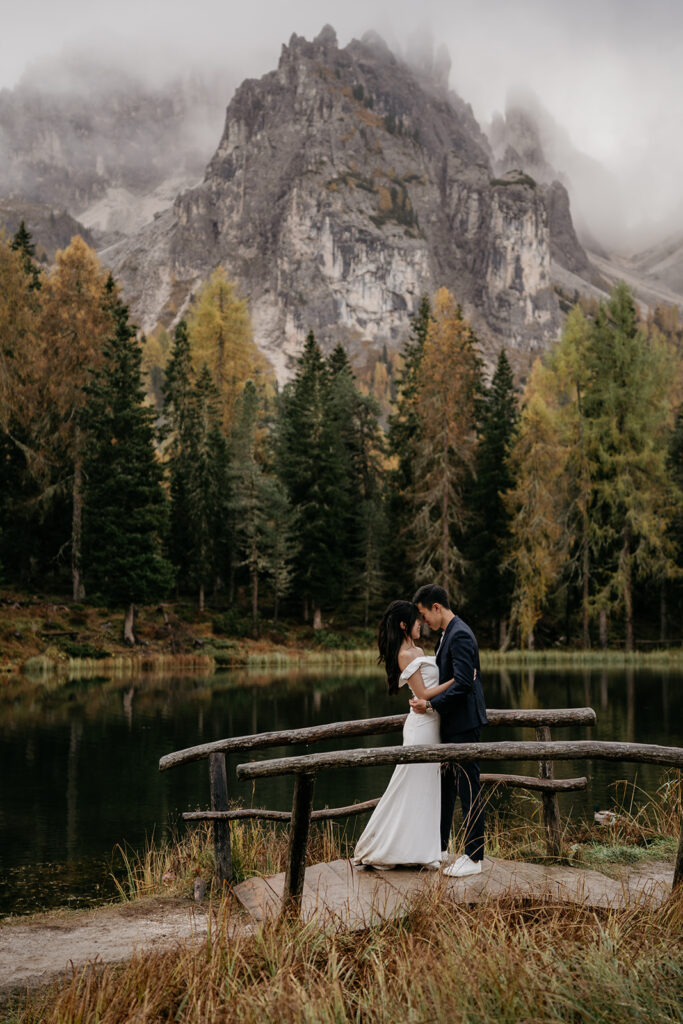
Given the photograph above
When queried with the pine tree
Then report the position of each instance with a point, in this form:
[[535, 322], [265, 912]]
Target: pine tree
[[257, 500], [310, 468], [341, 409], [208, 486], [198, 460], [22, 242], [627, 406], [125, 513], [675, 527], [490, 536], [180, 425], [355, 426], [403, 440], [284, 545]]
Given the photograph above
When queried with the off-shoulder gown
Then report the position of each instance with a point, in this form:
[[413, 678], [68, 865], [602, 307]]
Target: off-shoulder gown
[[404, 827]]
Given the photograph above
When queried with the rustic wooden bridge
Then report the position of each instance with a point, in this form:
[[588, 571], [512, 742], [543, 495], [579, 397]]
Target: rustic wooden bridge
[[352, 895]]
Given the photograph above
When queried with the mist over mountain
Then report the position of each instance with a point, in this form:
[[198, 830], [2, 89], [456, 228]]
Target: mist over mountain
[[337, 190], [98, 142], [527, 136]]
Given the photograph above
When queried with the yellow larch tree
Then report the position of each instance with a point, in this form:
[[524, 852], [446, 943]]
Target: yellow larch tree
[[568, 382], [75, 319], [536, 504], [220, 334], [450, 381], [18, 339]]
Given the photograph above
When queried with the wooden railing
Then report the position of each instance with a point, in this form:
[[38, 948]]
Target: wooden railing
[[221, 816], [306, 767]]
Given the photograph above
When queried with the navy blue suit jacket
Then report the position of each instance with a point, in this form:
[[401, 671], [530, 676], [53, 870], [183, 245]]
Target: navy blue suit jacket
[[462, 706]]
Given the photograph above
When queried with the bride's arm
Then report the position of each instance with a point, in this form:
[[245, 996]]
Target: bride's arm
[[422, 692]]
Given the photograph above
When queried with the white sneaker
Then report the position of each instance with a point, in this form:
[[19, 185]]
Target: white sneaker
[[462, 866], [444, 856]]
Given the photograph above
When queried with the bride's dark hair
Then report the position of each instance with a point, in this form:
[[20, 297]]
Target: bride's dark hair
[[391, 636]]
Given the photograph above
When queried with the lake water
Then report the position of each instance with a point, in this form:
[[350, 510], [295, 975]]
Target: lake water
[[78, 761]]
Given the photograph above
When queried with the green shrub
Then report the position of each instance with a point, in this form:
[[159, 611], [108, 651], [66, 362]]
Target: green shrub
[[83, 650], [231, 623], [327, 639]]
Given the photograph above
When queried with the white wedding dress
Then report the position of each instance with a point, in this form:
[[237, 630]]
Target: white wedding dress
[[404, 827]]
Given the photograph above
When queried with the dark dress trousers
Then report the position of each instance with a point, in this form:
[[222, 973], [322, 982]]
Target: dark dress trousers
[[462, 711]]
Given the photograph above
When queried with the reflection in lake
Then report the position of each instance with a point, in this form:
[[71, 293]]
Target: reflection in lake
[[78, 761]]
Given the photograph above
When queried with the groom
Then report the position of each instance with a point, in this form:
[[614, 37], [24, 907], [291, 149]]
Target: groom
[[463, 712]]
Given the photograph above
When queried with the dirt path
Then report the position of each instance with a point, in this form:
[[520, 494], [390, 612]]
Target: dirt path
[[35, 950]]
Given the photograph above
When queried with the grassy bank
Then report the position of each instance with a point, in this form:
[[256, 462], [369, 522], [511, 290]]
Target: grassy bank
[[574, 659], [41, 636]]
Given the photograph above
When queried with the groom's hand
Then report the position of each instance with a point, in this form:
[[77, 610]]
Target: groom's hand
[[418, 705]]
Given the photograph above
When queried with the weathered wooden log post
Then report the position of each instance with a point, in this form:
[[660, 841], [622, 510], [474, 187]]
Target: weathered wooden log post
[[302, 805], [218, 780], [551, 808], [678, 869]]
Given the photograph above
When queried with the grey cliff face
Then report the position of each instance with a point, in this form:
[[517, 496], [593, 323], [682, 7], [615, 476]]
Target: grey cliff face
[[565, 247], [51, 230], [343, 189]]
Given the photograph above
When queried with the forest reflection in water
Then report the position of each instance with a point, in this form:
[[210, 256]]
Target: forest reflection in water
[[79, 759]]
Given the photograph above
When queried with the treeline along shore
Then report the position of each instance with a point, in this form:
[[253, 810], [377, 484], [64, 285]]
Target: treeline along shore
[[171, 472]]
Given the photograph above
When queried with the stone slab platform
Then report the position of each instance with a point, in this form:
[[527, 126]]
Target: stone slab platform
[[351, 897]]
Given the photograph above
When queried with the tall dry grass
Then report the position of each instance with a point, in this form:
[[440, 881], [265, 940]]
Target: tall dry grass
[[169, 868], [508, 962]]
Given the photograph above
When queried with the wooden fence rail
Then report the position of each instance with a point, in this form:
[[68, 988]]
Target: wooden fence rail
[[221, 816], [524, 717], [557, 750], [511, 781], [306, 767]]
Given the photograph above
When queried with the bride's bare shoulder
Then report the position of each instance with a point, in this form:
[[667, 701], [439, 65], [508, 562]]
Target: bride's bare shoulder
[[408, 654]]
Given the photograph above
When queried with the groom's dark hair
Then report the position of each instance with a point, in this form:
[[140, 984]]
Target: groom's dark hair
[[431, 594]]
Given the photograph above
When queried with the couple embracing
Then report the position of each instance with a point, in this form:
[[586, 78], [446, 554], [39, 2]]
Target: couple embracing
[[411, 825]]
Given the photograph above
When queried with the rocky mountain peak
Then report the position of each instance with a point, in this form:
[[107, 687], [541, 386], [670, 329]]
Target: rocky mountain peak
[[344, 187], [326, 37]]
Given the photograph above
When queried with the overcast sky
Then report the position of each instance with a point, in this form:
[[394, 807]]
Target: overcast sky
[[609, 71]]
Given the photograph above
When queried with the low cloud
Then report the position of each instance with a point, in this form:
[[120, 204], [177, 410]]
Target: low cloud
[[610, 73]]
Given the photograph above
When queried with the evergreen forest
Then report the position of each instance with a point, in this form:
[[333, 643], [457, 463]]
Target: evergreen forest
[[141, 470]]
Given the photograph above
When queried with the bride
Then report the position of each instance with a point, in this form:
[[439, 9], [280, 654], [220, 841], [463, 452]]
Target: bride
[[404, 827]]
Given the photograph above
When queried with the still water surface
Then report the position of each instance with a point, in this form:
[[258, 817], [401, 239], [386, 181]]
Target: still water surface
[[78, 762]]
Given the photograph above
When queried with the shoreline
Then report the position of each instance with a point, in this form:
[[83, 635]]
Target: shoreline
[[210, 662]]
